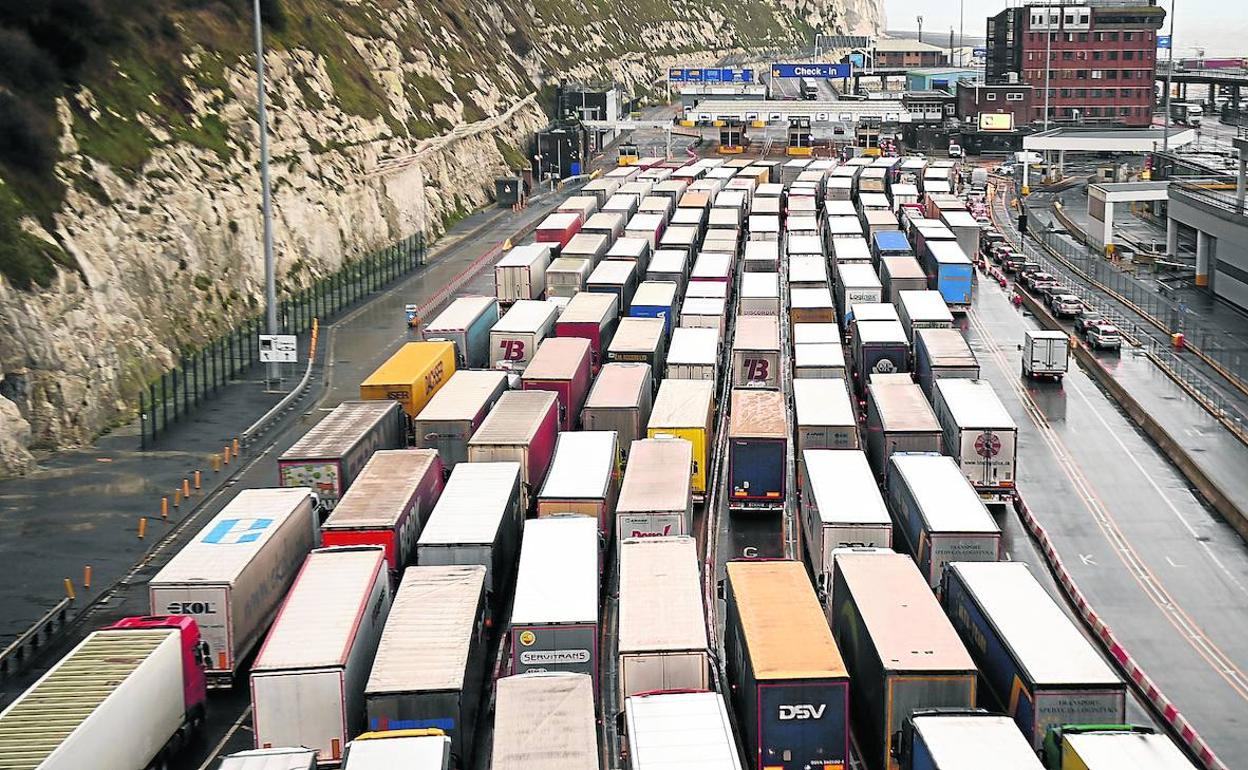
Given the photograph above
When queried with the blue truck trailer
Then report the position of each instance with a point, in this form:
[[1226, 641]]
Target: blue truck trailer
[[657, 299], [959, 739], [950, 272], [758, 433], [889, 243], [466, 322]]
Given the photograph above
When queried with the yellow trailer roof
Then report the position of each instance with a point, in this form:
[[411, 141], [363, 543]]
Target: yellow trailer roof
[[409, 363], [786, 634]]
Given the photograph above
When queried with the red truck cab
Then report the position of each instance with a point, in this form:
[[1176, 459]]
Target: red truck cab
[[194, 682]]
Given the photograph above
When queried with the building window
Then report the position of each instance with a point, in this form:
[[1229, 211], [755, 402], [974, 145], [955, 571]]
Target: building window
[[1112, 37], [1128, 74], [1128, 55], [1111, 74], [1081, 75], [1124, 110], [1081, 93], [1013, 97], [1096, 93], [990, 97], [1098, 55], [1065, 93], [1113, 56], [1068, 55], [1070, 37], [1083, 37], [1128, 36], [1098, 74], [1126, 91]]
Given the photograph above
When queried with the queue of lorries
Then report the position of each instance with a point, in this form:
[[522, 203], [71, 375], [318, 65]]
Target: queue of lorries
[[565, 428]]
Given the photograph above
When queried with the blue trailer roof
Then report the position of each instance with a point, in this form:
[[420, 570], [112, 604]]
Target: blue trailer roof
[[891, 240]]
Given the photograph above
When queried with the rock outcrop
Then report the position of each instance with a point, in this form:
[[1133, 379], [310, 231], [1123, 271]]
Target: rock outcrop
[[385, 119]]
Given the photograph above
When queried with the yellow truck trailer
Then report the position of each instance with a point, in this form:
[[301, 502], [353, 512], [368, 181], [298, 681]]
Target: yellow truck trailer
[[412, 375]]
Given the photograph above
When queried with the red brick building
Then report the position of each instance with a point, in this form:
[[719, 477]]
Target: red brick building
[[1101, 59], [975, 99]]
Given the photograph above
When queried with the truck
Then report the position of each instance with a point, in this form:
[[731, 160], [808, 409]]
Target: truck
[[1113, 747], [561, 366], [704, 313], [388, 505], [232, 576], [763, 227], [841, 507], [554, 619], [942, 354], [898, 274], [514, 339], [477, 520], [965, 229], [1046, 354], [307, 684], [521, 273], [608, 223], [899, 419], [808, 271], [714, 267], [818, 360], [825, 416], [425, 749], [811, 305], [558, 228], [669, 266], [758, 446], [848, 250], [938, 514], [412, 375], [591, 247], [271, 759], [466, 322], [620, 401], [431, 661], [958, 739], [522, 428], [922, 309], [756, 352], [1187, 113], [592, 316], [686, 409], [635, 251], [545, 720], [761, 257], [617, 278], [663, 643], [649, 227], [657, 299], [84, 711], [456, 411], [880, 347], [651, 740], [900, 650], [856, 282], [789, 683], [980, 435], [950, 272], [583, 478], [694, 354], [566, 277], [640, 339], [759, 294], [331, 454], [1035, 661], [655, 497]]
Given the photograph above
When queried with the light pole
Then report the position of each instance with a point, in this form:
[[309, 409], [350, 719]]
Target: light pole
[[1165, 138], [266, 195], [961, 39], [920, 18]]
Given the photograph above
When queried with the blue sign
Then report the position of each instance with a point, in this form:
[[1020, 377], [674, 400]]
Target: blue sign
[[693, 76], [676, 76], [979, 53], [237, 531], [747, 76], [810, 70], [712, 75], [1163, 41], [858, 60]]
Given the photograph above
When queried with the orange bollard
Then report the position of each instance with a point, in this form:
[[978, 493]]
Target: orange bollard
[[86, 576], [186, 488], [226, 454], [142, 527], [164, 507], [69, 589], [236, 447], [198, 479], [177, 498], [216, 463]]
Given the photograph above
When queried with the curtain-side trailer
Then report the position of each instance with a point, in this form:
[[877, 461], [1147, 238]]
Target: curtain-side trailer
[[332, 453]]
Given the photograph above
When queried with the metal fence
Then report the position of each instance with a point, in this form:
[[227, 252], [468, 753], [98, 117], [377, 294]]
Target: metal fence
[[200, 373]]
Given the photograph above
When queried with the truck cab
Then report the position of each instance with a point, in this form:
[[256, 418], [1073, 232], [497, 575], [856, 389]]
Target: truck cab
[[1054, 741], [382, 750], [194, 656]]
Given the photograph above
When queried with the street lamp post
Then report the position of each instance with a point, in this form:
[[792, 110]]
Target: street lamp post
[[1165, 139], [266, 195]]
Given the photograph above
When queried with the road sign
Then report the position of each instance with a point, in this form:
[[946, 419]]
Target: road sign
[[411, 312], [1163, 41], [279, 349], [979, 53], [816, 70], [987, 445], [675, 75], [693, 76], [713, 75], [745, 76]]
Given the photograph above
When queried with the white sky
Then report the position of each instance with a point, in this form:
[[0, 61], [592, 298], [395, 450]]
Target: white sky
[[1219, 26]]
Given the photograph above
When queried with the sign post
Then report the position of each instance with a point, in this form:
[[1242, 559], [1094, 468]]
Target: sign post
[[814, 70], [279, 349]]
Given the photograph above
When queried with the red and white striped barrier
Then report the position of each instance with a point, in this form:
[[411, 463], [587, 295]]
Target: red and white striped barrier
[[1162, 705]]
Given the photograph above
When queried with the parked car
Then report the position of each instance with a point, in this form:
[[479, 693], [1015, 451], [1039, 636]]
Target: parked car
[[1014, 262], [1032, 279], [1065, 305], [1048, 289], [1103, 336], [1085, 318], [1028, 267]]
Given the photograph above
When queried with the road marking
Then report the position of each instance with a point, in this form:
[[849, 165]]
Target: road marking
[[1172, 564], [1087, 559], [212, 757]]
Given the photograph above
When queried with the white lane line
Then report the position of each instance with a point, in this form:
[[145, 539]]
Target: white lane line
[[212, 757]]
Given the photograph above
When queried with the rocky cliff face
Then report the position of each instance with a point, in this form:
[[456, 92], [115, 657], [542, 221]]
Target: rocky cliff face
[[386, 118]]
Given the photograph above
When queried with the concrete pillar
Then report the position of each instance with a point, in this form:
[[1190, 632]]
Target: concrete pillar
[[1235, 98], [1061, 164], [1172, 237], [1241, 179], [1202, 258], [1107, 232]]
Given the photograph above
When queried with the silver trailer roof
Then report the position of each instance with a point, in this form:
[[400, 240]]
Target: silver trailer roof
[[210, 558], [1048, 645], [858, 275], [712, 264], [844, 226], [429, 632], [381, 495], [974, 404], [946, 500], [818, 354], [582, 466], [851, 249], [634, 334], [680, 731], [630, 246], [757, 332], [589, 307], [702, 306], [874, 311], [557, 581], [818, 401], [947, 252], [976, 742], [558, 358], [843, 486], [472, 505], [459, 315], [1128, 751], [682, 404], [660, 596], [668, 261], [807, 267], [463, 395], [945, 346], [879, 331], [693, 346], [660, 293], [807, 298], [762, 250], [657, 476], [545, 720], [515, 418], [925, 306], [760, 285], [619, 384], [317, 621], [342, 429], [612, 272], [270, 759], [527, 315], [833, 208], [800, 245], [816, 332], [901, 404], [529, 254]]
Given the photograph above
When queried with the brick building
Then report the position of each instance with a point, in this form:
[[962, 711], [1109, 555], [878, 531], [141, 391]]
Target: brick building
[[1102, 59], [900, 52], [975, 98]]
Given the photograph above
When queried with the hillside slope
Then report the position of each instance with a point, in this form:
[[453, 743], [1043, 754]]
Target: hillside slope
[[129, 225]]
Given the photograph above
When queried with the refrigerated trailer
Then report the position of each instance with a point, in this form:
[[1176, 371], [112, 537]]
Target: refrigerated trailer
[[554, 619], [331, 454], [521, 273], [686, 409], [939, 516], [819, 360], [307, 684], [825, 416], [1036, 662], [127, 697], [545, 720], [466, 322], [566, 277], [693, 354], [900, 650], [640, 339], [456, 411], [620, 401], [593, 316], [656, 498], [758, 435], [388, 505], [899, 419], [679, 729], [704, 313], [477, 520], [515, 337], [979, 434], [232, 576], [942, 354], [431, 662], [521, 428], [662, 623], [583, 478], [841, 507], [789, 683], [756, 352], [562, 366]]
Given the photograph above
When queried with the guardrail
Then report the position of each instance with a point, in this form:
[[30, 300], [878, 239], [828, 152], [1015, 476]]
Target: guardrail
[[20, 650], [258, 427], [1201, 194]]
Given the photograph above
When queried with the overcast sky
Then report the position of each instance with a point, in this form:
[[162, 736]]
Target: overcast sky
[[1220, 26]]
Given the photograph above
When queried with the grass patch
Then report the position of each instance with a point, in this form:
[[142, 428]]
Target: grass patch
[[25, 260]]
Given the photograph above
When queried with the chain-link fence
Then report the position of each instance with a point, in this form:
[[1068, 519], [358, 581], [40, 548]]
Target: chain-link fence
[[201, 373]]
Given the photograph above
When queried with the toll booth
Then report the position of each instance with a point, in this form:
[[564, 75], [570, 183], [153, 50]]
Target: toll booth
[[732, 137], [628, 154], [800, 144]]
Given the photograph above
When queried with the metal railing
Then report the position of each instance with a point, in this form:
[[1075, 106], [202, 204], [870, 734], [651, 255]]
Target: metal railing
[[199, 374], [14, 657], [1202, 195]]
